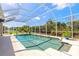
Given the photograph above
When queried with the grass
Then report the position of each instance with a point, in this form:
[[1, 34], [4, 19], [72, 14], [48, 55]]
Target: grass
[[12, 32]]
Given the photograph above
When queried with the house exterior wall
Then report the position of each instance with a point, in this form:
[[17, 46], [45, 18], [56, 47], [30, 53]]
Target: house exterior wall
[[1, 24]]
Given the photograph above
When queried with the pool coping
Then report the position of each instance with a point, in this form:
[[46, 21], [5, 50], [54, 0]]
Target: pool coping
[[18, 46], [74, 50]]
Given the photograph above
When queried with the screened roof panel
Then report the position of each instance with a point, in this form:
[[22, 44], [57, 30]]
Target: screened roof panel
[[50, 14], [75, 8], [30, 7], [76, 17], [50, 5], [7, 7], [16, 12], [59, 13], [39, 13], [24, 12]]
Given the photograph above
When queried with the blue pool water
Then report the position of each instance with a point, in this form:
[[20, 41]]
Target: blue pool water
[[39, 42]]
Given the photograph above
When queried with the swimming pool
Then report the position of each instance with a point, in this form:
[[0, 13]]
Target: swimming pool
[[36, 42]]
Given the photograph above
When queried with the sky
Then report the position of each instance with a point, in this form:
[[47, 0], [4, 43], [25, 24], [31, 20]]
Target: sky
[[36, 14]]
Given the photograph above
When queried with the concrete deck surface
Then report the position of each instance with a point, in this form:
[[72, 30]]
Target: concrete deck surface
[[10, 46], [6, 48]]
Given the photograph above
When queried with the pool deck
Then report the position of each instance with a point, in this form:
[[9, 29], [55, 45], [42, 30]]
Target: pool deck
[[13, 47], [20, 50], [74, 50], [6, 47]]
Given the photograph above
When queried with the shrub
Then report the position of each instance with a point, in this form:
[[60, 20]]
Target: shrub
[[66, 34]]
